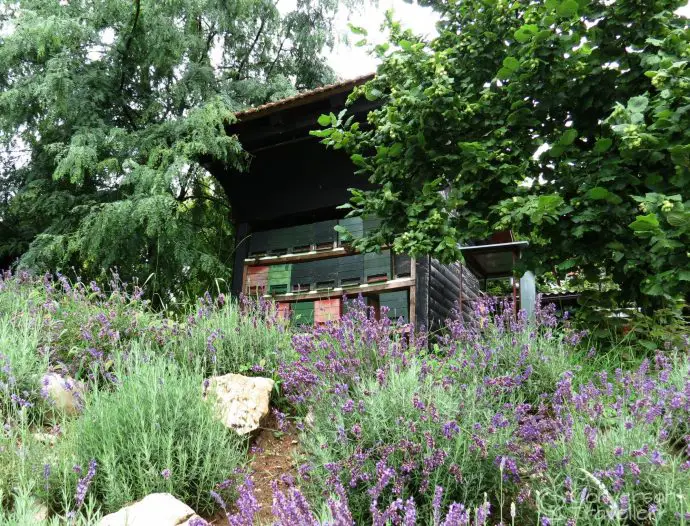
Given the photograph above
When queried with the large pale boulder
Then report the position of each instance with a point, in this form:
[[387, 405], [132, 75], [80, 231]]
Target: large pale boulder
[[157, 509], [241, 401], [65, 393]]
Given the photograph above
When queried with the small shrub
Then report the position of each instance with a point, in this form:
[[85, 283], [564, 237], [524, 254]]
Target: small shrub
[[26, 510], [152, 433]]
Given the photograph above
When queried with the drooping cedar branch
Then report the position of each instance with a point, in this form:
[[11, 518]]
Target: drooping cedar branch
[[128, 42]]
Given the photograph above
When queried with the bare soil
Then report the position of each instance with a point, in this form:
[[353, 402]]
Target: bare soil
[[273, 457]]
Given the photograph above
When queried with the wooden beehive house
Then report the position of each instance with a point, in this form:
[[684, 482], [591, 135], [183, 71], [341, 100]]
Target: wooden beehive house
[[285, 209]]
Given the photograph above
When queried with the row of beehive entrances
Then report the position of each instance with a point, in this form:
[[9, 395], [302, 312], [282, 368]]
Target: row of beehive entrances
[[393, 304], [305, 238], [290, 264], [324, 274]]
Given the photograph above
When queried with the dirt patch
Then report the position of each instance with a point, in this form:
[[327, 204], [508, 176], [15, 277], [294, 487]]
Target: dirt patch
[[272, 457]]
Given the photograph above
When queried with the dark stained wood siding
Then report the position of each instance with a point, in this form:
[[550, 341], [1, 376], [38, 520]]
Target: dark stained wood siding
[[447, 285]]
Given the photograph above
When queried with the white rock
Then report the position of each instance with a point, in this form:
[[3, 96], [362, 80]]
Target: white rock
[[241, 401], [40, 512], [157, 509], [64, 392], [45, 438]]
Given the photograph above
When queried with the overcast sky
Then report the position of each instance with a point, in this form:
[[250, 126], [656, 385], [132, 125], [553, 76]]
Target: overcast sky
[[349, 61]]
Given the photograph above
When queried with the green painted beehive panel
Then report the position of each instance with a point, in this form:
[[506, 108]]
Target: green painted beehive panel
[[279, 278], [354, 225], [303, 313], [378, 264], [397, 303], [371, 224]]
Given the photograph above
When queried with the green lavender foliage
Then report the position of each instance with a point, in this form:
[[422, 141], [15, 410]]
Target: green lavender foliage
[[111, 114], [155, 419], [247, 337]]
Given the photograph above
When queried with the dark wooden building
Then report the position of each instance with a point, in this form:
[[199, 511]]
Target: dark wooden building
[[285, 211]]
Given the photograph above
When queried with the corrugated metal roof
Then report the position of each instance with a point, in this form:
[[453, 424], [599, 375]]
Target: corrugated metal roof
[[302, 98]]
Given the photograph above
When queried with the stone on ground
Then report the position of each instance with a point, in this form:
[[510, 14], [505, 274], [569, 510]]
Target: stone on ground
[[64, 392], [241, 401], [157, 509]]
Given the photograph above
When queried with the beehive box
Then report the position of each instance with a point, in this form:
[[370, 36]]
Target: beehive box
[[326, 272], [258, 244], [279, 279], [302, 276], [284, 310], [324, 235], [402, 266], [286, 240], [371, 224], [257, 280], [327, 310], [301, 238], [350, 271], [377, 267], [398, 304], [354, 226], [303, 313]]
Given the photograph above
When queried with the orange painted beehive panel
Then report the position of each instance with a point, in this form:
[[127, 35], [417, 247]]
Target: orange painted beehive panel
[[257, 280], [327, 310], [283, 310]]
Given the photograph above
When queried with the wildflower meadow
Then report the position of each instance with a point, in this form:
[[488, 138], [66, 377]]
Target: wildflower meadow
[[504, 420]]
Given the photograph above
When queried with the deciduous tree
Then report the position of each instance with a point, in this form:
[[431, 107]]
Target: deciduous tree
[[565, 120]]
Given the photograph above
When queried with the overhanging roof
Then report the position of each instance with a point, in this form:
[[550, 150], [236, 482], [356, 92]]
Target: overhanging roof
[[494, 260], [306, 97]]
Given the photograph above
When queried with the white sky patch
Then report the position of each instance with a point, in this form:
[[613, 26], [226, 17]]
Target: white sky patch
[[349, 61], [106, 39], [539, 151]]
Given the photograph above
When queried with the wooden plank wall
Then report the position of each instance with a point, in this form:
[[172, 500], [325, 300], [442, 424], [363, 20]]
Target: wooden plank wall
[[448, 284]]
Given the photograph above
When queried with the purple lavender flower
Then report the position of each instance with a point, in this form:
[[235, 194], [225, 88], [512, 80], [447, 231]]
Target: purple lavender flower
[[281, 421], [436, 505], [84, 483], [450, 429], [21, 402], [166, 473]]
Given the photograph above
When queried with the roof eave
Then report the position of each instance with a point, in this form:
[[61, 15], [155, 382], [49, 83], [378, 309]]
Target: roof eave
[[301, 99]]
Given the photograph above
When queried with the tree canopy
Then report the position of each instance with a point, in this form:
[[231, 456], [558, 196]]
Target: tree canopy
[[565, 120], [106, 108]]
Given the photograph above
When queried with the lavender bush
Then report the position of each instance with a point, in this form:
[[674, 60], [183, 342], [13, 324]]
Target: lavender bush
[[222, 336], [501, 421], [81, 326], [153, 432], [499, 408]]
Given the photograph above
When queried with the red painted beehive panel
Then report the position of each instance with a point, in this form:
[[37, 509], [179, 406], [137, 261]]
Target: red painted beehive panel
[[283, 310], [327, 310], [257, 280]]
